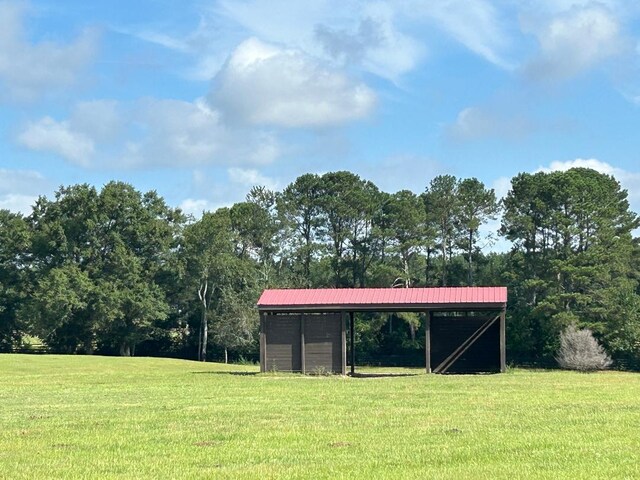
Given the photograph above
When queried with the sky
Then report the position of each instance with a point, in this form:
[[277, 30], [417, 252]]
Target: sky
[[200, 100]]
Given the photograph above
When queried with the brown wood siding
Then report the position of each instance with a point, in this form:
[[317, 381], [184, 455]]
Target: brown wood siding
[[287, 338], [283, 352], [323, 343], [448, 333]]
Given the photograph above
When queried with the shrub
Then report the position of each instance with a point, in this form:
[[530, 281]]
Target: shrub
[[579, 350]]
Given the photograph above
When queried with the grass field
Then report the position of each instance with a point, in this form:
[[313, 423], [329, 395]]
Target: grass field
[[99, 417]]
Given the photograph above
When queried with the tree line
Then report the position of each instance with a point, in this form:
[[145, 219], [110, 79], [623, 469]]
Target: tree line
[[118, 271]]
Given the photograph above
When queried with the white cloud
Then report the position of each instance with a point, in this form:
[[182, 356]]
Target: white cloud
[[16, 202], [192, 133], [374, 43], [101, 120], [573, 41], [367, 34], [48, 135], [250, 178], [262, 84], [29, 70], [19, 189], [148, 132], [476, 25]]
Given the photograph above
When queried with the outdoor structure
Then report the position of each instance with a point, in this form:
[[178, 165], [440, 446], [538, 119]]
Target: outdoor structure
[[305, 330]]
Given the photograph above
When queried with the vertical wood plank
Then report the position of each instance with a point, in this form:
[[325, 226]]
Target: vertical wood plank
[[263, 343], [427, 341], [352, 326], [344, 342], [302, 345], [503, 341]]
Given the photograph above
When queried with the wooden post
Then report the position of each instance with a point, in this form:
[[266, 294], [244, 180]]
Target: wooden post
[[344, 342], [263, 342], [503, 341], [302, 346], [427, 341], [353, 343]]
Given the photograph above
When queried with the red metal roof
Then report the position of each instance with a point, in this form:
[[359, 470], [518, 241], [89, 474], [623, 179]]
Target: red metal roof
[[338, 298]]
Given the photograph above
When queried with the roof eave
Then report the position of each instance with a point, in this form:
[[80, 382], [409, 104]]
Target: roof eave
[[382, 307]]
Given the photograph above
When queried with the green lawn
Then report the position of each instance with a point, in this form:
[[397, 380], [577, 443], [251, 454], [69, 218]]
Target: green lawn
[[99, 417]]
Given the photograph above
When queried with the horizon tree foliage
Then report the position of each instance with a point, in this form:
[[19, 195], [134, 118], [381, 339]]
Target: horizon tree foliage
[[476, 206], [115, 270], [222, 277], [442, 206], [14, 247], [299, 208], [95, 260], [347, 207], [572, 244]]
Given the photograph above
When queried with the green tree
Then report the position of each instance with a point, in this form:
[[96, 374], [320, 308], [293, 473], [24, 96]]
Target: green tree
[[14, 242], [406, 221], [348, 206], [299, 207], [442, 204], [208, 253], [109, 249], [476, 205], [572, 234]]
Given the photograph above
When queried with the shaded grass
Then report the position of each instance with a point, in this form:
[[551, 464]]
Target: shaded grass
[[100, 417]]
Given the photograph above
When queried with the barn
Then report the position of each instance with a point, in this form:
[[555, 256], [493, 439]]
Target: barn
[[306, 330]]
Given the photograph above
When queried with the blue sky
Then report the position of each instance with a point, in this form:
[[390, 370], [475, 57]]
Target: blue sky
[[200, 100]]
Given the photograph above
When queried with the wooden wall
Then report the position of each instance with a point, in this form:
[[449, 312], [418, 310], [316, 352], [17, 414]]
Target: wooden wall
[[309, 343], [448, 333]]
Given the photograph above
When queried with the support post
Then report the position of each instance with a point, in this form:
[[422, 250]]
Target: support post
[[503, 341], [352, 327], [302, 346], [263, 343], [427, 341], [343, 321]]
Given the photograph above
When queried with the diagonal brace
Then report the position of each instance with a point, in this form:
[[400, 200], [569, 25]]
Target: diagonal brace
[[458, 352]]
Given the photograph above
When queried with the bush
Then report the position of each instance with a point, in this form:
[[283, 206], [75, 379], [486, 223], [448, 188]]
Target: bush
[[579, 350]]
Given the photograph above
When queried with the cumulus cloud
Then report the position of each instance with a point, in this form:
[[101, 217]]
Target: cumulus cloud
[[148, 132], [101, 120], [75, 139], [351, 47], [192, 133], [19, 189], [29, 70], [573, 42], [369, 34], [374, 43], [49, 135], [262, 84]]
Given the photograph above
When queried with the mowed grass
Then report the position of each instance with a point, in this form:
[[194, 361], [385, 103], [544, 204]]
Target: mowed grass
[[100, 417]]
